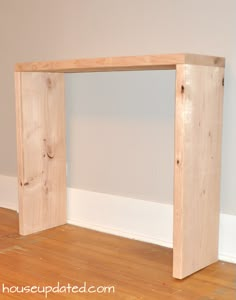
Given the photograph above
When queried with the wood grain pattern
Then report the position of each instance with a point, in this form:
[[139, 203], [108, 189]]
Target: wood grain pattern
[[41, 150], [19, 135], [73, 255], [125, 63], [199, 97], [41, 147]]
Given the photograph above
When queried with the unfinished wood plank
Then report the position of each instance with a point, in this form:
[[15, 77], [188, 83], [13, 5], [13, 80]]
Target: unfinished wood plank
[[198, 126], [19, 137], [124, 63], [41, 150]]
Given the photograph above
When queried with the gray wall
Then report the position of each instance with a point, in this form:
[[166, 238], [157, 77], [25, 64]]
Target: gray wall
[[119, 125], [120, 133]]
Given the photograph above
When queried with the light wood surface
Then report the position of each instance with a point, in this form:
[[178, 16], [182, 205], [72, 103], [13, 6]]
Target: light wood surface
[[69, 254], [41, 150], [126, 63], [19, 138], [199, 97], [198, 123]]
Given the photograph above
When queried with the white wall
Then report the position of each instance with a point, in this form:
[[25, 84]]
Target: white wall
[[59, 29]]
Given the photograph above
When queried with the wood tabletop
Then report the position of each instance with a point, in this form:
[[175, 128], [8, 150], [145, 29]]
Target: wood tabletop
[[123, 63]]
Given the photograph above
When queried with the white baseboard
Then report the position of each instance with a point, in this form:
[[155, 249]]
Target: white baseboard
[[8, 192], [227, 241], [136, 219]]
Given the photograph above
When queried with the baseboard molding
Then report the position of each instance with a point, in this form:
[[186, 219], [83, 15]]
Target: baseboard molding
[[8, 192], [132, 218], [227, 240], [136, 219]]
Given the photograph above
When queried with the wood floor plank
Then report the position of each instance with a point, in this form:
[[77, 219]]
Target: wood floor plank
[[74, 255]]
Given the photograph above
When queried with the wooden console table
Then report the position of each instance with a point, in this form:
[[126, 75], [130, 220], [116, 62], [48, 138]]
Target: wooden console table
[[198, 125]]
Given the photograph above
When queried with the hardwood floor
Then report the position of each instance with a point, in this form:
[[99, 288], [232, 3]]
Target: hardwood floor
[[73, 255]]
